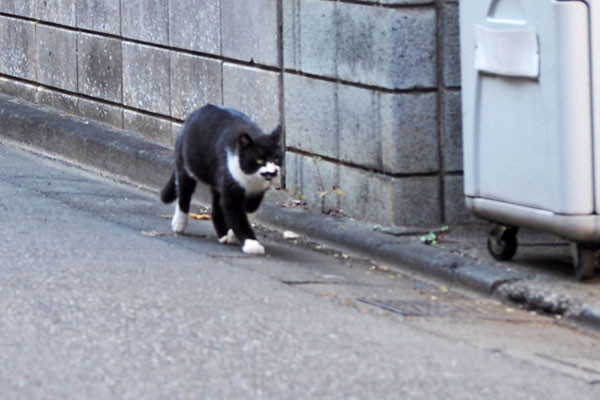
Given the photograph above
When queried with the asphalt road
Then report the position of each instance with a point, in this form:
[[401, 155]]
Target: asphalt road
[[98, 300]]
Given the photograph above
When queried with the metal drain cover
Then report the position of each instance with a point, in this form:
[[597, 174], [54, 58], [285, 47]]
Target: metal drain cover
[[463, 308]]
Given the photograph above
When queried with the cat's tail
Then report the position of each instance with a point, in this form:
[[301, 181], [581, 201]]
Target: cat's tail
[[169, 193]]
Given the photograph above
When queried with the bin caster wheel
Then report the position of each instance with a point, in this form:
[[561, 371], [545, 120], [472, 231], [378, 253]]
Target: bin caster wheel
[[502, 242], [585, 260]]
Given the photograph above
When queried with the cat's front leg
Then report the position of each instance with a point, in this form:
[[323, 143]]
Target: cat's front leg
[[234, 210], [225, 235], [252, 246]]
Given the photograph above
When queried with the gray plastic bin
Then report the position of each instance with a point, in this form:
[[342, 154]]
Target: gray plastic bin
[[531, 120]]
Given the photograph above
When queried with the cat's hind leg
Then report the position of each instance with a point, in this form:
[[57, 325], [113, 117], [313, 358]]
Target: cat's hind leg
[[168, 194], [185, 189]]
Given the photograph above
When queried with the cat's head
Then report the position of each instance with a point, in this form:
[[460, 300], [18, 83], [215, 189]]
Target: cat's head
[[260, 155]]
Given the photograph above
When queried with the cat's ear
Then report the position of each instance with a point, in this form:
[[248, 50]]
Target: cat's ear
[[245, 141], [276, 134]]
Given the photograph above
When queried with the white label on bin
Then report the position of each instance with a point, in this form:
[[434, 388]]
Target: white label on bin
[[513, 52]]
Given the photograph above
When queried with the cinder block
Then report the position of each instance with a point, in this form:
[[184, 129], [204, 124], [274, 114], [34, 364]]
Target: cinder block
[[146, 20], [451, 45], [409, 138], [146, 78], [360, 125], [154, 129], [452, 148], [25, 8], [386, 47], [100, 67], [195, 81], [101, 112], [293, 168], [250, 30], [394, 133], [58, 100], [17, 41], [417, 201], [58, 11], [195, 25], [255, 92], [100, 15], [367, 195], [19, 89], [313, 179], [309, 32], [454, 202], [175, 131], [399, 2], [310, 115], [393, 48], [57, 57]]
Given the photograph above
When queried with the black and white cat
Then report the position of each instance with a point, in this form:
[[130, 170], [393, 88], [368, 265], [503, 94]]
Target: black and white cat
[[225, 149]]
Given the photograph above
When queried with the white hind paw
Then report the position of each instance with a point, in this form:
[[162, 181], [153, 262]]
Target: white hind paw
[[230, 238], [179, 221], [253, 247]]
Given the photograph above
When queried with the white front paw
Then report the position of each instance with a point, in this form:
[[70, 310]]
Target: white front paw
[[230, 238], [253, 247], [179, 221]]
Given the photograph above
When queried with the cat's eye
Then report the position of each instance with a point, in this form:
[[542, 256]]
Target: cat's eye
[[277, 160], [260, 161]]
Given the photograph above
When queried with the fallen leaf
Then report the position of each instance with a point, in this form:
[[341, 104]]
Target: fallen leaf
[[444, 289], [150, 233], [200, 217]]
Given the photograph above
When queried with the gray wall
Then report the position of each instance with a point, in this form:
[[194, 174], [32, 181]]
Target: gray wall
[[368, 90]]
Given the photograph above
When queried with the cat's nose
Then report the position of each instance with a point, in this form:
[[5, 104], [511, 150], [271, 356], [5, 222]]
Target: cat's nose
[[268, 175]]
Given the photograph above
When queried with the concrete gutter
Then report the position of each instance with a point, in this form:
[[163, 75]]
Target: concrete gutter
[[129, 157]]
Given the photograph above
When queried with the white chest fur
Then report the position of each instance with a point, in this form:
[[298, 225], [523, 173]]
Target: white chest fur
[[252, 184]]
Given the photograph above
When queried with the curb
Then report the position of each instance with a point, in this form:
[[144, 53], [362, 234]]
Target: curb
[[132, 159]]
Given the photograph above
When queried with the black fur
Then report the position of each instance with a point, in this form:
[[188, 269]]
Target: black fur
[[201, 153]]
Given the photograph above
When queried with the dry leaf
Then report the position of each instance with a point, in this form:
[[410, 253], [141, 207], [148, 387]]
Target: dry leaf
[[200, 217]]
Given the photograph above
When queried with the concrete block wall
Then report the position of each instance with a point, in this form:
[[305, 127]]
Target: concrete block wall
[[368, 91]]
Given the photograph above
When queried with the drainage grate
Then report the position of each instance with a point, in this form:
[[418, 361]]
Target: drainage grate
[[462, 309]]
